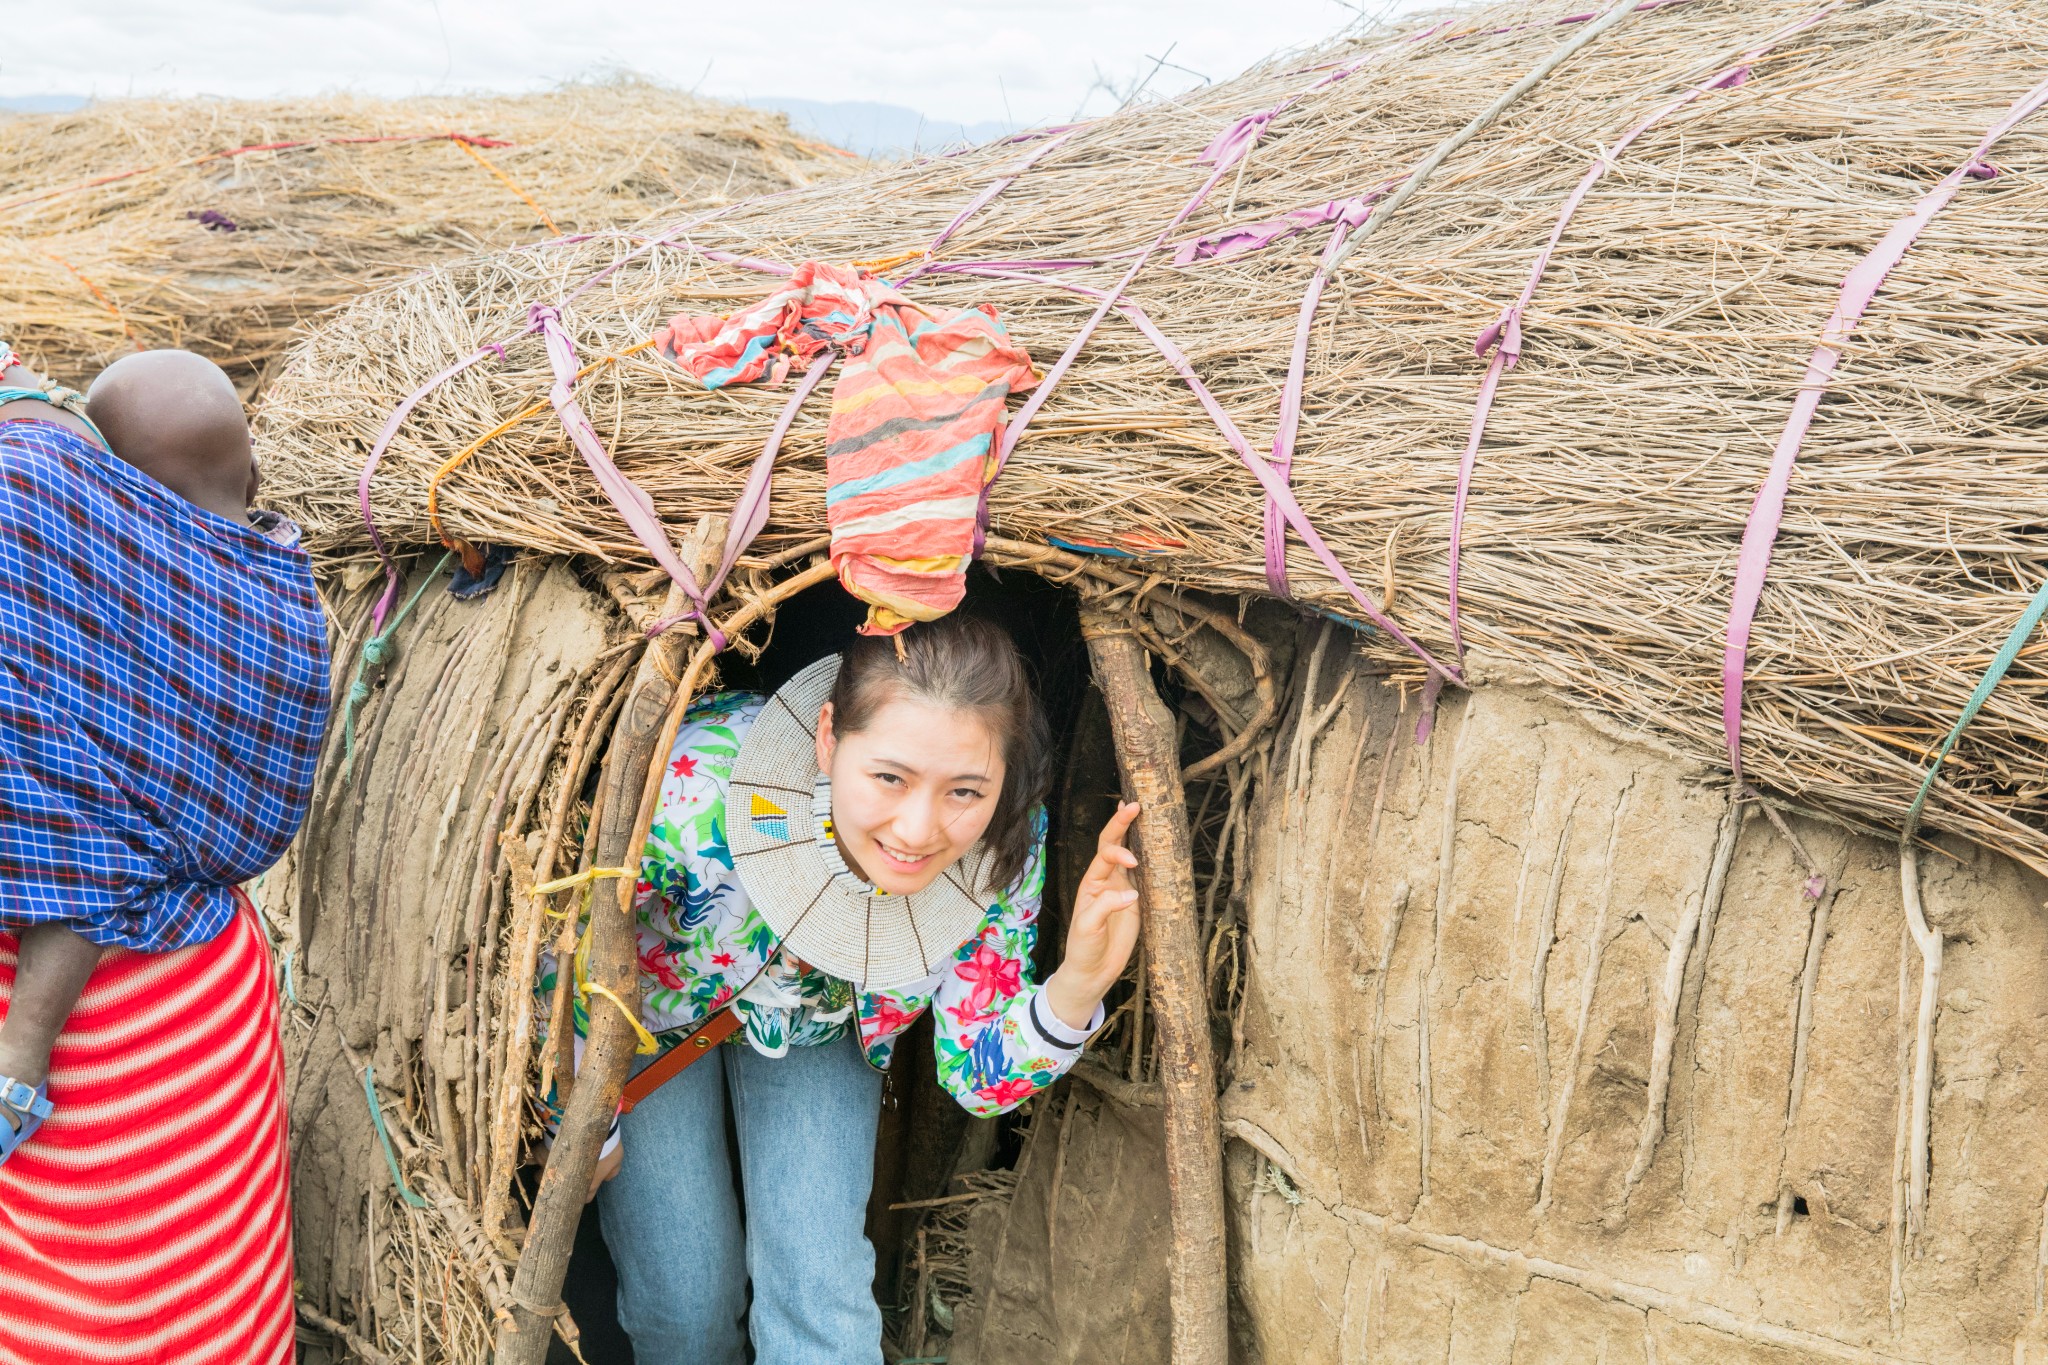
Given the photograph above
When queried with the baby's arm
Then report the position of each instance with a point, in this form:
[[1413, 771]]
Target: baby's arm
[[51, 975], [19, 376]]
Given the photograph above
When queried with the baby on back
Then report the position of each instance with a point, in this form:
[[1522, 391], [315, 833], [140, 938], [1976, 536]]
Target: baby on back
[[173, 416]]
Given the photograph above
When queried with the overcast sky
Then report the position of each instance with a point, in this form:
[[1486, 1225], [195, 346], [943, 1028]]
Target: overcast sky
[[963, 60]]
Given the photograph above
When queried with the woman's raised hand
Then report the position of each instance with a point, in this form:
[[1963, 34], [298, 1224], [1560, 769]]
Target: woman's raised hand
[[1104, 927]]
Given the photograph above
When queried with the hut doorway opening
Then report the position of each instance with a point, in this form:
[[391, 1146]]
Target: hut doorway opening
[[930, 1153], [470, 767]]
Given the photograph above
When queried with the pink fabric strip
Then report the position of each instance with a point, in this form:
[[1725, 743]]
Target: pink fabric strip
[[1289, 427], [1236, 142], [1236, 241], [1572, 19], [982, 200], [750, 513], [1225, 151], [1280, 496], [1230, 146], [412, 400], [754, 263], [1276, 487], [377, 449], [1858, 290], [1013, 432], [628, 497], [1504, 337]]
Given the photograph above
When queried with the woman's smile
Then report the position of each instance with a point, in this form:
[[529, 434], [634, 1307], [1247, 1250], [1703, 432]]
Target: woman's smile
[[906, 863]]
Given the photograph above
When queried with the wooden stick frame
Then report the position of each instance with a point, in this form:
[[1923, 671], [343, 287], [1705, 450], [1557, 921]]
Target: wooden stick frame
[[656, 701]]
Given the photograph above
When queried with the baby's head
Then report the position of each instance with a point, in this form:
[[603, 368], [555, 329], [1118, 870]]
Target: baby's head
[[174, 416]]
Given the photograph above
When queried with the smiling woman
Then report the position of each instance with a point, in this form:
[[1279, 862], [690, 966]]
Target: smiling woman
[[827, 864]]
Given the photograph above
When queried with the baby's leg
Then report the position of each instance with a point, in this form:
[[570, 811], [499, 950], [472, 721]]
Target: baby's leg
[[51, 975]]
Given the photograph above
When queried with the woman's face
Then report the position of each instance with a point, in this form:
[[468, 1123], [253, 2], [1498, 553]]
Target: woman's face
[[912, 792]]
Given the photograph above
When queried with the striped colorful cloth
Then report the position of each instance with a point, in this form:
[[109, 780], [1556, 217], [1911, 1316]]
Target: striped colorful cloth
[[916, 413], [163, 689], [148, 1222]]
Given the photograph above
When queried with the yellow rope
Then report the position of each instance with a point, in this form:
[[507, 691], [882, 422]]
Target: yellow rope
[[881, 263], [460, 457], [584, 985], [507, 181], [579, 878], [648, 1045]]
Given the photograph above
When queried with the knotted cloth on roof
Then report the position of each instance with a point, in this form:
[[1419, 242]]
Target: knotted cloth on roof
[[163, 688], [916, 413]]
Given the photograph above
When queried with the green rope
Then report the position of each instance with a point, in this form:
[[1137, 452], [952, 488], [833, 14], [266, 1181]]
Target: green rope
[[377, 650], [2024, 627], [383, 1136]]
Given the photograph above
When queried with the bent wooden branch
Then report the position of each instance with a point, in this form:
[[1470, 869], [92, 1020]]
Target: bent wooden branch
[[1929, 941], [1148, 758], [613, 965]]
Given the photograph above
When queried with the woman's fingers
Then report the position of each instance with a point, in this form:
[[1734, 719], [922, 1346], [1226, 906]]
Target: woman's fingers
[[1119, 825], [1112, 859], [1094, 909]]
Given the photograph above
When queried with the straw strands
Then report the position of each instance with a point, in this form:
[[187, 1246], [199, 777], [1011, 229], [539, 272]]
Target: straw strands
[[1661, 355], [219, 224]]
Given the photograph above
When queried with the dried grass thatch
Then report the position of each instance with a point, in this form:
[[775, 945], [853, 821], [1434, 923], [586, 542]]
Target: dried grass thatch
[[134, 223], [1664, 350]]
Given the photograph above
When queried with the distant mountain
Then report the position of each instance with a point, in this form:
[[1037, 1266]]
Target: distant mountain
[[889, 131], [43, 104]]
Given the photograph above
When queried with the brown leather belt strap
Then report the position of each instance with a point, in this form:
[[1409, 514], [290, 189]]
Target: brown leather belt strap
[[670, 1064]]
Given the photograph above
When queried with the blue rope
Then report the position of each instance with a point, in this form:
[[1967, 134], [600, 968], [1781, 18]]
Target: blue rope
[[383, 1136], [376, 652], [2024, 627]]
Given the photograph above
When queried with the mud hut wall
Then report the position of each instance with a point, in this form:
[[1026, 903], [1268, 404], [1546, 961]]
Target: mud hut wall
[[1447, 1041], [1070, 1268], [377, 893]]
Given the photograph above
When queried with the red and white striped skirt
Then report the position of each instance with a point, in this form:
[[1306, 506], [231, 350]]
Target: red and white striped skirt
[[148, 1222]]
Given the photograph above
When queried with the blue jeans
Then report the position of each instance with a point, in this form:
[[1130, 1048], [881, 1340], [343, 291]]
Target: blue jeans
[[806, 1124]]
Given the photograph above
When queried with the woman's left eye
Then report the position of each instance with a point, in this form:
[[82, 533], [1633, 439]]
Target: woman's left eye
[[967, 793]]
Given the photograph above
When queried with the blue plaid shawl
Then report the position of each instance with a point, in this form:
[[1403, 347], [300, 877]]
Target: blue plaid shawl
[[163, 688]]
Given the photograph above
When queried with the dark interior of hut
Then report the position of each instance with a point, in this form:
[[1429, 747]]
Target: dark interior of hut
[[926, 1141]]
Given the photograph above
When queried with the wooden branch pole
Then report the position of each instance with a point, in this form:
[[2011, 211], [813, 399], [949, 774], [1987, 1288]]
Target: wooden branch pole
[[613, 964], [1148, 758]]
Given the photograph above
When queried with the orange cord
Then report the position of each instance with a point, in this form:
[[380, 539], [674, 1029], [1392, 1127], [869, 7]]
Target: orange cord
[[881, 263], [118, 176], [457, 460], [97, 293], [507, 181]]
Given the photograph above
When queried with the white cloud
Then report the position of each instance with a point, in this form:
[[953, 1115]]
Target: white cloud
[[1029, 63]]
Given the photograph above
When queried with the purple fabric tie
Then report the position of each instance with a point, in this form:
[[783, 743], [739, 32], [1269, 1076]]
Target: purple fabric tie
[[1221, 246], [1504, 336], [1276, 488], [1858, 290], [412, 400]]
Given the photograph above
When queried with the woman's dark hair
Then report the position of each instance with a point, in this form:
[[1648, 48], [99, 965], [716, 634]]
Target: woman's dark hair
[[969, 663]]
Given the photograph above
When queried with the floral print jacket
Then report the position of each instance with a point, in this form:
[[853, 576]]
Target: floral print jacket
[[702, 944]]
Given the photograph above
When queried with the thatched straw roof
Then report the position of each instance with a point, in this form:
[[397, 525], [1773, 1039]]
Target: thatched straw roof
[[1662, 353], [149, 222]]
